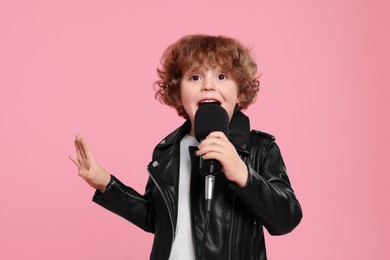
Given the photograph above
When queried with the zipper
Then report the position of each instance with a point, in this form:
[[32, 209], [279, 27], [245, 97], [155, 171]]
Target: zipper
[[232, 228], [165, 200], [254, 229], [254, 235], [192, 188], [130, 195]]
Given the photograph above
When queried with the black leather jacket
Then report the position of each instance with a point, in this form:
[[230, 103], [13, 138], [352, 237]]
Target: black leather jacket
[[238, 215]]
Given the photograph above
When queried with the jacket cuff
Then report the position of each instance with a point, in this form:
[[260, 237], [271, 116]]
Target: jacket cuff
[[112, 192], [233, 186]]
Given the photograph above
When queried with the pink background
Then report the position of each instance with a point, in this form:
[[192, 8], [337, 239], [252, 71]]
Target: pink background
[[88, 67]]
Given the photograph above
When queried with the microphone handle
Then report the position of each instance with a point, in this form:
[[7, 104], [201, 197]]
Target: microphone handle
[[210, 166], [209, 190], [209, 169]]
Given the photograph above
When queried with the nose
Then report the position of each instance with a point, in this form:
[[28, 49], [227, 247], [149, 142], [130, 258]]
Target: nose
[[208, 84]]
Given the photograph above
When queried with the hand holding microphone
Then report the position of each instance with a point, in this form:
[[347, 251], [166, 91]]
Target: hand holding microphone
[[211, 130], [217, 152], [209, 118]]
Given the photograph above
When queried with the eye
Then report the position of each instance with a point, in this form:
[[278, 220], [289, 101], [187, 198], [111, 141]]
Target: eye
[[194, 78], [222, 76]]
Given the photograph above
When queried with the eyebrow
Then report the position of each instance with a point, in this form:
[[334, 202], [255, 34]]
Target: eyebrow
[[192, 71]]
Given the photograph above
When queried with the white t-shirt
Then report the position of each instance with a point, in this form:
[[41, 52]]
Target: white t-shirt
[[183, 245]]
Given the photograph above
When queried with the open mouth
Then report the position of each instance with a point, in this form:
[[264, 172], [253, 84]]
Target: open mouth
[[208, 101]]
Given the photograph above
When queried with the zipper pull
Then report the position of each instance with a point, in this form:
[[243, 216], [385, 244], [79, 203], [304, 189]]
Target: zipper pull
[[254, 229]]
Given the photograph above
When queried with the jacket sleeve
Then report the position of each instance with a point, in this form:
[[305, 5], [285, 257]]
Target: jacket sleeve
[[269, 195], [127, 203]]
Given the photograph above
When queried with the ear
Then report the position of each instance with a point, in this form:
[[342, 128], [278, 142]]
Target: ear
[[240, 97]]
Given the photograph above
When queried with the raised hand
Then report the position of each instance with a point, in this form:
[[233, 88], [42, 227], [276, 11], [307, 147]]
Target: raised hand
[[217, 146], [95, 175]]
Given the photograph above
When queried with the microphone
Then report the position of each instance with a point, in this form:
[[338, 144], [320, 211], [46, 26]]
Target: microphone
[[209, 118]]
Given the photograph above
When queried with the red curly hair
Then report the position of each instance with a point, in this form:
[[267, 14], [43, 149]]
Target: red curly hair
[[194, 51]]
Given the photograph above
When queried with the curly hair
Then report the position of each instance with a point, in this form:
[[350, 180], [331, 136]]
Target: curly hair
[[194, 51]]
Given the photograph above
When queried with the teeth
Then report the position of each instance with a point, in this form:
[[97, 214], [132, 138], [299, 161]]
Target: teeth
[[209, 101]]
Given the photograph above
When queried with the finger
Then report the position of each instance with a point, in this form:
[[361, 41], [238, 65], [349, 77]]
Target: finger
[[76, 162], [81, 148], [217, 134], [210, 149], [212, 141], [78, 150], [76, 145], [213, 155], [85, 148]]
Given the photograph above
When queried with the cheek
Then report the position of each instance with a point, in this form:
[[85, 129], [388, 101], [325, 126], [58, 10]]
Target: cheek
[[184, 101], [234, 97]]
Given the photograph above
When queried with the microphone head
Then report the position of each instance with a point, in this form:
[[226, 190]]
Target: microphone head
[[210, 118]]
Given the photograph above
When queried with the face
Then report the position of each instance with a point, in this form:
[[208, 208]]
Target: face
[[207, 85]]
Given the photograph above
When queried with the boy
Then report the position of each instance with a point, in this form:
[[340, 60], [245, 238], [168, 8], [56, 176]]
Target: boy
[[253, 189]]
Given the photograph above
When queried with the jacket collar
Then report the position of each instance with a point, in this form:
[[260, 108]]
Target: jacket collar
[[239, 132]]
